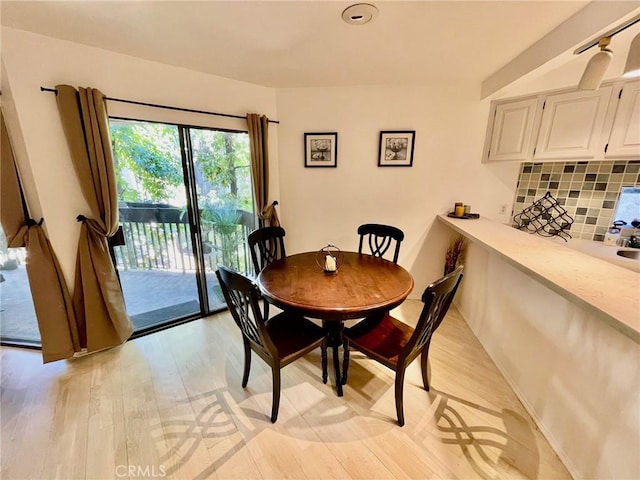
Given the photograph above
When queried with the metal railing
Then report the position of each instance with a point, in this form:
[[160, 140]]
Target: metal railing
[[163, 242]]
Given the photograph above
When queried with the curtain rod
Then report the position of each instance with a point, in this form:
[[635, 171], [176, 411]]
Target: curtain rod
[[167, 107]]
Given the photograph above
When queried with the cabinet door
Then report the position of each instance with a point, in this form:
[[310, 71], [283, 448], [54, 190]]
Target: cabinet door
[[512, 134], [572, 125], [624, 141]]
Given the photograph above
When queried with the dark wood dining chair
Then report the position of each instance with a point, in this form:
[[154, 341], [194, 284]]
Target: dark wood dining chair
[[380, 238], [395, 344], [285, 338], [266, 244]]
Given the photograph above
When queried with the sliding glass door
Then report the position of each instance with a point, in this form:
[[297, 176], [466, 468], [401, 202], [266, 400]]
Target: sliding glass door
[[223, 193], [185, 205]]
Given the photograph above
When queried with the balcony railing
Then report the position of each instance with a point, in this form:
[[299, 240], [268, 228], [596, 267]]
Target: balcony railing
[[158, 237]]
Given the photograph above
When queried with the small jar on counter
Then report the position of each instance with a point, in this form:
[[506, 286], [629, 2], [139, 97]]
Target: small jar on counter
[[459, 209], [611, 237]]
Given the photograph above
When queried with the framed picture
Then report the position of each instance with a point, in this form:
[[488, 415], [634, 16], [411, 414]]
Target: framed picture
[[321, 149], [396, 149]]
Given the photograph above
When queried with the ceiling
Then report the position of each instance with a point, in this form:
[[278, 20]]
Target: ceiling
[[305, 43]]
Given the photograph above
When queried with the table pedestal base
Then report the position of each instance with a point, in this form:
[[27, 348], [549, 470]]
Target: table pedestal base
[[334, 334]]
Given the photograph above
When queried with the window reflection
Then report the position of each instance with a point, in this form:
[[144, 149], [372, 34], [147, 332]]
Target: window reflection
[[18, 322], [628, 207]]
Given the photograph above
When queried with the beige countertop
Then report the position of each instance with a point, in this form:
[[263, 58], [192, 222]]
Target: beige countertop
[[600, 250], [608, 289]]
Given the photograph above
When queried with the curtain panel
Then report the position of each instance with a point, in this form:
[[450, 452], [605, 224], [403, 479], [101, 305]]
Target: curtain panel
[[51, 299], [97, 297], [258, 126]]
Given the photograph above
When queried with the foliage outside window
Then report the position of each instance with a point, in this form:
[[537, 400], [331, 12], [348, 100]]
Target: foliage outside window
[[148, 166], [147, 161]]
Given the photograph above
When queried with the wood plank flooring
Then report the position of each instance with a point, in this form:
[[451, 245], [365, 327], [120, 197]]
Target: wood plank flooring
[[170, 405]]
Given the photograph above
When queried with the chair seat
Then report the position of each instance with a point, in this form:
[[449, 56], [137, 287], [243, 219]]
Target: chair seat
[[291, 333], [383, 338]]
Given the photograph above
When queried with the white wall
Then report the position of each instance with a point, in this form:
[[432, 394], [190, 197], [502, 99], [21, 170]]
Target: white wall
[[326, 205], [30, 61], [577, 376]]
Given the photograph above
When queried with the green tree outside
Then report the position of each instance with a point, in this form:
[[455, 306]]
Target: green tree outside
[[148, 168], [151, 152]]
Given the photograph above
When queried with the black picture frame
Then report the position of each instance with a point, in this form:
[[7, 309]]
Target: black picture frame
[[321, 150], [396, 148]]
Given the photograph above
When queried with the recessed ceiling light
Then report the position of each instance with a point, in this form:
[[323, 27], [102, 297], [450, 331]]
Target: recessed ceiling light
[[360, 13]]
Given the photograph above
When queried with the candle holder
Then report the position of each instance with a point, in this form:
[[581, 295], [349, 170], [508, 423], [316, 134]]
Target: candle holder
[[328, 259]]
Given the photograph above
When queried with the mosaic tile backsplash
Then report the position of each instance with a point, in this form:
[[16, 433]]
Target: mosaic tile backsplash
[[587, 190]]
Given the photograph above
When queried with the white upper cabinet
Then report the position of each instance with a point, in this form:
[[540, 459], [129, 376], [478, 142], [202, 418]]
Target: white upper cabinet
[[566, 124], [571, 126], [624, 140], [512, 135]]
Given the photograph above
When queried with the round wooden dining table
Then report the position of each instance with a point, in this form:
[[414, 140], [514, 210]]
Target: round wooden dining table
[[362, 286]]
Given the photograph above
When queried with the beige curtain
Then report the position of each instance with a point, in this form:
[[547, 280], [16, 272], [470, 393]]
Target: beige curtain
[[97, 297], [51, 299], [258, 136]]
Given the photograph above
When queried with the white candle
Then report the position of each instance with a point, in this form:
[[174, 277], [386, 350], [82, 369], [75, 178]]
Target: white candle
[[330, 263]]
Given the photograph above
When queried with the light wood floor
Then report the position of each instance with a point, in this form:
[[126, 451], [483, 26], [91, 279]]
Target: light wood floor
[[170, 405]]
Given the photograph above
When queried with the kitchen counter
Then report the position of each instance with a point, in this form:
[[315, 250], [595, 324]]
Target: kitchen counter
[[607, 289]]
